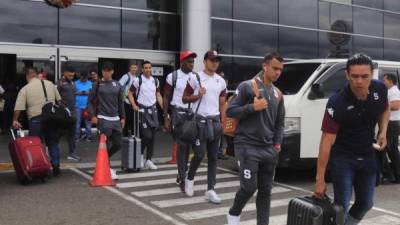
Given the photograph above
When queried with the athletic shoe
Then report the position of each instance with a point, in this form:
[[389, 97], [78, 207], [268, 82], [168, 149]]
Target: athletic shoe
[[233, 220], [114, 175], [178, 180], [56, 171], [150, 165], [212, 197], [73, 157], [189, 187]]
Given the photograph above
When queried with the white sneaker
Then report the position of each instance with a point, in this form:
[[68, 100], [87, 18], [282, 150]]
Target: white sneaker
[[212, 197], [114, 175], [189, 187], [142, 161], [150, 165], [233, 220]]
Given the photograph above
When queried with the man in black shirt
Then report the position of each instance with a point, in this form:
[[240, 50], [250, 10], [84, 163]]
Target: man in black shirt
[[348, 132]]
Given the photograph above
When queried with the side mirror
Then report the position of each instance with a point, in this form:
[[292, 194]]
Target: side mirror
[[316, 92]]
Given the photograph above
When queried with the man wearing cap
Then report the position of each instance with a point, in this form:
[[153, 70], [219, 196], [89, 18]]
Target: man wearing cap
[[110, 115], [175, 115], [206, 92]]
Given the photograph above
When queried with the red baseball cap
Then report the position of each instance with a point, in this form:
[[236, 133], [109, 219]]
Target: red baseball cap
[[186, 54]]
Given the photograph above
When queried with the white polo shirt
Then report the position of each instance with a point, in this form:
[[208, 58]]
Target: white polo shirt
[[181, 83], [215, 88], [394, 95], [148, 90]]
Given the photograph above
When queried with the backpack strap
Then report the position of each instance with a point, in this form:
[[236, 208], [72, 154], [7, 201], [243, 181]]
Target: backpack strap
[[254, 87], [174, 80], [140, 85]]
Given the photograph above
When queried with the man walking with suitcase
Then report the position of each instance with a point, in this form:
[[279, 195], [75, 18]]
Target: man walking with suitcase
[[32, 98], [206, 92], [126, 82], [110, 115], [348, 132], [66, 88], [175, 111], [144, 95], [258, 137]]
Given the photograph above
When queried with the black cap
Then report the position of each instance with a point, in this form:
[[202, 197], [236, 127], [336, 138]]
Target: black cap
[[212, 54], [107, 66]]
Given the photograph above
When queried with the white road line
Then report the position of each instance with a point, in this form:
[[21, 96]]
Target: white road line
[[310, 192], [167, 181], [381, 220], [153, 174], [274, 220], [162, 166], [165, 191], [133, 200], [195, 200], [201, 214], [116, 163]]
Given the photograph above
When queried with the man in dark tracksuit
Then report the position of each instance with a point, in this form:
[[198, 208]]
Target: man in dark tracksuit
[[173, 91], [258, 138], [110, 115], [66, 88], [348, 132]]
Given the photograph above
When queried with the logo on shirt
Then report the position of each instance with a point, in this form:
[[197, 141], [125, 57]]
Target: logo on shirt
[[330, 111], [237, 92], [350, 107], [114, 84], [276, 93], [376, 96]]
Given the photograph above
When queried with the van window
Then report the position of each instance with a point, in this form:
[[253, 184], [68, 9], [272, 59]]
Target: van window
[[294, 76], [386, 70], [334, 83]]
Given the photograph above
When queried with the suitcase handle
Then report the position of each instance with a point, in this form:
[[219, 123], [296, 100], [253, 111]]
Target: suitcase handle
[[14, 136]]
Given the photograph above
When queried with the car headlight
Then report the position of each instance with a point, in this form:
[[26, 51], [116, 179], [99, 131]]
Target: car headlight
[[292, 125]]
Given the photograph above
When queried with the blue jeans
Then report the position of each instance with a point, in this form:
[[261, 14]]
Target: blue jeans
[[348, 172], [51, 137], [88, 125]]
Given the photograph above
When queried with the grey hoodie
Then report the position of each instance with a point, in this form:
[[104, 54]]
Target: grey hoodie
[[109, 100], [264, 128]]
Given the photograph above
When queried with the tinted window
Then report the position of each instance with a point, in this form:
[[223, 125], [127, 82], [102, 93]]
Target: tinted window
[[300, 44], [334, 83], [302, 13], [221, 8], [150, 31], [221, 36], [367, 22], [294, 76], [253, 39], [160, 5], [256, 10], [239, 69], [392, 5], [102, 2], [88, 26], [370, 3], [29, 22], [370, 46]]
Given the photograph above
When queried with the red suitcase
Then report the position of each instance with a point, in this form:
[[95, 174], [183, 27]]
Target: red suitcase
[[29, 158]]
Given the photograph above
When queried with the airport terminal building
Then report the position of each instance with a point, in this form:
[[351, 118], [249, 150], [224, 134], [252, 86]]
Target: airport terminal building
[[91, 31]]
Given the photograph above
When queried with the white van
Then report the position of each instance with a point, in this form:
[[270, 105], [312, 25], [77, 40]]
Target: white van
[[307, 85]]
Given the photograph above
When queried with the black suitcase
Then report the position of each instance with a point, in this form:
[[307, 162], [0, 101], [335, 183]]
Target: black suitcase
[[131, 157], [314, 211]]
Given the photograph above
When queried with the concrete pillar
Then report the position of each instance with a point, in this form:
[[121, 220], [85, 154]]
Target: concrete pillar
[[196, 28]]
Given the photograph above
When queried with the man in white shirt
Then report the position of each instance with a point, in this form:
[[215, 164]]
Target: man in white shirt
[[126, 82], [176, 112], [143, 95], [390, 81], [206, 92]]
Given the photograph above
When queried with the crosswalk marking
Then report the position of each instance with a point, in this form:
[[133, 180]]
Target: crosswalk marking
[[195, 200], [207, 213], [381, 220], [153, 174], [274, 220], [168, 181], [162, 166], [174, 190]]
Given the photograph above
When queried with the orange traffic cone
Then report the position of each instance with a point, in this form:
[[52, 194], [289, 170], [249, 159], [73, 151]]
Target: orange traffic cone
[[174, 150], [102, 174]]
